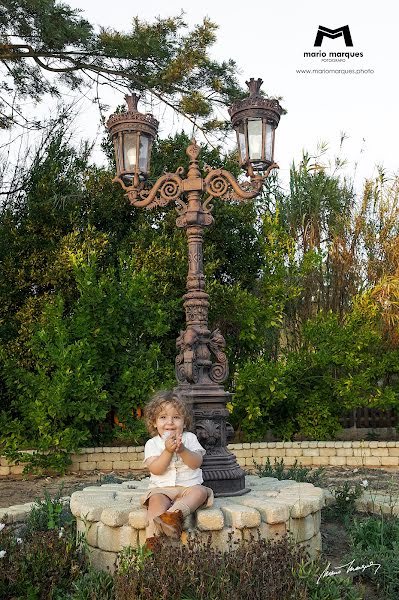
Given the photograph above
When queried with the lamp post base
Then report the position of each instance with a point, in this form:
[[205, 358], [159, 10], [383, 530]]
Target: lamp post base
[[220, 469]]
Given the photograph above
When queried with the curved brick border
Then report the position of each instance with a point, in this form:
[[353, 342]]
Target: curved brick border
[[111, 517]]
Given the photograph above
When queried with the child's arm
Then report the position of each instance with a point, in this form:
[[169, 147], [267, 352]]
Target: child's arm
[[157, 465], [190, 458]]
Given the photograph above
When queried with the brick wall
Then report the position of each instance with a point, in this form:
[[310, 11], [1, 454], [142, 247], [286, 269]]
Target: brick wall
[[353, 454]]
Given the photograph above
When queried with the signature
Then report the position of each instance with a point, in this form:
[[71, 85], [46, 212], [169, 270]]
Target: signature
[[347, 568]]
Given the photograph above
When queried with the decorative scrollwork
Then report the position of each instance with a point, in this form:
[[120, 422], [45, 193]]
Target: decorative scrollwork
[[206, 206], [168, 187], [220, 369], [185, 363]]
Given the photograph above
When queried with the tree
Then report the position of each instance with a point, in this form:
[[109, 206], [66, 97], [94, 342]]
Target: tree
[[46, 45]]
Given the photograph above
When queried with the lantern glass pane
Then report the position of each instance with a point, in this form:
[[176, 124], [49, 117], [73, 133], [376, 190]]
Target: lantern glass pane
[[255, 139], [269, 142], [130, 151], [117, 146], [242, 146], [144, 153]]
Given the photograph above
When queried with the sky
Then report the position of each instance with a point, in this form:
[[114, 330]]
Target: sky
[[268, 40]]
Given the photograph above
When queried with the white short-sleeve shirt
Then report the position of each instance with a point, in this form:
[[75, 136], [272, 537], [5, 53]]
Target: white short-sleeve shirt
[[177, 473]]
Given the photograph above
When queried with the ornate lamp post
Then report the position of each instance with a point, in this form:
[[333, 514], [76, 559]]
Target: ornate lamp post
[[201, 363]]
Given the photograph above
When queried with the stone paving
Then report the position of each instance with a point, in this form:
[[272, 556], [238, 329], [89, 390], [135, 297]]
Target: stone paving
[[111, 517]]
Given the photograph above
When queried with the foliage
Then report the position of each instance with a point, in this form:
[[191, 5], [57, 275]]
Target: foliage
[[41, 567], [47, 47], [341, 366], [48, 514], [93, 585], [297, 472], [345, 500], [375, 539], [199, 572]]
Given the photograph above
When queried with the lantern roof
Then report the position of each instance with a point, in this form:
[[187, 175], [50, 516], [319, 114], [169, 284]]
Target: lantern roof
[[133, 120], [255, 106]]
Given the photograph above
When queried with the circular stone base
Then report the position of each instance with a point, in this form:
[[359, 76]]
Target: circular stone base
[[110, 516]]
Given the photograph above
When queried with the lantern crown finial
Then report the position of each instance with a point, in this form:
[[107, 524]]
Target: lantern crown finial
[[131, 101], [254, 86]]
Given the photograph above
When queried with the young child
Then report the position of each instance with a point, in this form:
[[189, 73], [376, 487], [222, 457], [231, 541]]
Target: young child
[[173, 457]]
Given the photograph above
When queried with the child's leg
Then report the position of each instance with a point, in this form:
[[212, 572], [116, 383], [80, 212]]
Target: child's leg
[[190, 499], [157, 505]]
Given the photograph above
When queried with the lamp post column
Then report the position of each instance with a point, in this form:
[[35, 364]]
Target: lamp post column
[[201, 365]]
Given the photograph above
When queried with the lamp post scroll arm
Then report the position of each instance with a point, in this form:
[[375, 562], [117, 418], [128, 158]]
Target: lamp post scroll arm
[[222, 184], [167, 188]]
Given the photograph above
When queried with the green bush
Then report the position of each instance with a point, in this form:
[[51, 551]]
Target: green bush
[[341, 366], [297, 472]]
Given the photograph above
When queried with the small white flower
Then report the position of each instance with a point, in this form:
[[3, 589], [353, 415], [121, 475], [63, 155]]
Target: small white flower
[[355, 470], [347, 498], [2, 525], [61, 532], [2, 553], [19, 540], [364, 483]]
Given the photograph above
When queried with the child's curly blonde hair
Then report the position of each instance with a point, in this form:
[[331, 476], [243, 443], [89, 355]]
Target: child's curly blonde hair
[[155, 405]]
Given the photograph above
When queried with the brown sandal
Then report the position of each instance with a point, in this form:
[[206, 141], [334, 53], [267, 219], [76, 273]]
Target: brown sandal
[[152, 543], [171, 523]]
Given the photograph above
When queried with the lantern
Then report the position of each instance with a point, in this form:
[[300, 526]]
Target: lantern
[[255, 120], [132, 134]]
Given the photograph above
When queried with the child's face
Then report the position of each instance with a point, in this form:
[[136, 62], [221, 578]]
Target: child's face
[[169, 420]]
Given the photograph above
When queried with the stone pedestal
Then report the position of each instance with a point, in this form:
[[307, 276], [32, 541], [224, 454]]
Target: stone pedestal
[[111, 517]]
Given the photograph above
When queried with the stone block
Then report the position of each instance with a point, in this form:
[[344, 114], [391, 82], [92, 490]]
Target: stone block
[[138, 518], [311, 451], [103, 561], [344, 452], [17, 469], [293, 452], [246, 445], [361, 452], [302, 529], [5, 471], [105, 465], [89, 530], [287, 444], [243, 453], [290, 460], [313, 444], [109, 538], [241, 462], [355, 461], [209, 519], [87, 466], [329, 444], [382, 451], [271, 511], [121, 465], [136, 464], [327, 452], [317, 521], [394, 451], [115, 517], [390, 461], [306, 461], [372, 461], [338, 461], [321, 461], [236, 515], [272, 531]]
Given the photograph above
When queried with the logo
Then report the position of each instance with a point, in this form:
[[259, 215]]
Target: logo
[[333, 33]]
